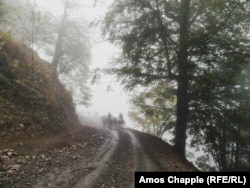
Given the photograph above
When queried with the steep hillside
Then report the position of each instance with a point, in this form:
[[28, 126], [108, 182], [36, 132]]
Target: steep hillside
[[43, 145], [30, 101]]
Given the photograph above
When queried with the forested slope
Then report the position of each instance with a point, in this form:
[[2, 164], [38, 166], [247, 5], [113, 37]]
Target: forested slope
[[30, 100]]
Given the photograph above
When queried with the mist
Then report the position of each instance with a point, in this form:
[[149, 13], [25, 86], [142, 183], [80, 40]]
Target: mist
[[209, 88], [107, 95]]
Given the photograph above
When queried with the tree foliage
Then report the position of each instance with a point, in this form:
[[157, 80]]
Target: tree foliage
[[2, 11], [27, 24], [64, 39], [71, 53], [201, 47], [223, 116], [155, 109]]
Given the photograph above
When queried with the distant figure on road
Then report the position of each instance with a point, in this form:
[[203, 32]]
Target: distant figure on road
[[121, 121], [107, 121], [112, 122]]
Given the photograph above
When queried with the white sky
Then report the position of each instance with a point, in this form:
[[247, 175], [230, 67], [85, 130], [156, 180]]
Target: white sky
[[102, 101]]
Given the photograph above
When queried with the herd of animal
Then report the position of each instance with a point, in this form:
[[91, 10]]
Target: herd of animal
[[112, 122]]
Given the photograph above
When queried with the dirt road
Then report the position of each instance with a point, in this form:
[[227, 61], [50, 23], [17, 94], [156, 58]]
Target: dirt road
[[106, 159], [118, 159]]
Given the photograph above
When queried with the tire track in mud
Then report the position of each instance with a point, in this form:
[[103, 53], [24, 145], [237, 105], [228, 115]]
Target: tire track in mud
[[144, 162], [99, 162], [118, 172], [128, 157], [83, 173]]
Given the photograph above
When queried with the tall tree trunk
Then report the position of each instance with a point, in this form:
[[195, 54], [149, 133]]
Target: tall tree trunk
[[59, 41], [237, 151], [223, 150], [182, 90]]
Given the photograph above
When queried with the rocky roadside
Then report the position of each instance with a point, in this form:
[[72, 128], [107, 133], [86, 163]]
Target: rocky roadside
[[23, 164], [90, 157]]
